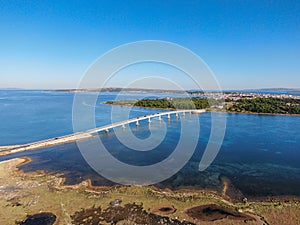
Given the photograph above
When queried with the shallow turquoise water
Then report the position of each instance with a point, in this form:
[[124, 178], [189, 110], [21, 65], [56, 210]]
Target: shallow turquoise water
[[260, 153]]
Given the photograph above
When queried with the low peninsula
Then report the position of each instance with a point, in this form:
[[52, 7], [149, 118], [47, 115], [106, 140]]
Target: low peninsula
[[42, 198], [249, 104]]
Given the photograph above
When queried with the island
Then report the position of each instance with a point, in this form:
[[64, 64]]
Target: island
[[233, 102]]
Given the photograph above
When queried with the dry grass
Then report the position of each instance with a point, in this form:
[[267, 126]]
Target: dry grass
[[22, 194]]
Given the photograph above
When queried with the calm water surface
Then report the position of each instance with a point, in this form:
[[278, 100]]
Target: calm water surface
[[260, 153]]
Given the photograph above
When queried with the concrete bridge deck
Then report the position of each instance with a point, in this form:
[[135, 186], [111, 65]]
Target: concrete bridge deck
[[6, 150]]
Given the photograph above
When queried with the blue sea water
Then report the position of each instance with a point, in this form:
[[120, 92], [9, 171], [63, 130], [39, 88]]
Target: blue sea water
[[260, 153], [27, 116]]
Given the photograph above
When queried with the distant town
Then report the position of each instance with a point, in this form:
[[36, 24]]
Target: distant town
[[230, 95], [238, 102], [234, 96]]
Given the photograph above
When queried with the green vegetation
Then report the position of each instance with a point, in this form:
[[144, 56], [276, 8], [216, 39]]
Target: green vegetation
[[254, 105], [24, 194], [266, 105], [172, 103]]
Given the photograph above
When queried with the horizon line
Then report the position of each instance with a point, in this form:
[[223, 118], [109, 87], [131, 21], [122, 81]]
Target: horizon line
[[153, 89]]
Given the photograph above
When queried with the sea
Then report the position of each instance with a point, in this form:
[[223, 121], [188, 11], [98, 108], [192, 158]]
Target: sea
[[259, 155]]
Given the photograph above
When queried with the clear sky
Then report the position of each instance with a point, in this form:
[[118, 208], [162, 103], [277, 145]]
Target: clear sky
[[247, 43]]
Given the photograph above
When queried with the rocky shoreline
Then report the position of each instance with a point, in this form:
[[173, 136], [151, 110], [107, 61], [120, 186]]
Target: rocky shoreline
[[24, 196]]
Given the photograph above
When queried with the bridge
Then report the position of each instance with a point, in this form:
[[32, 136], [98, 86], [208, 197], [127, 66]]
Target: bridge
[[6, 150]]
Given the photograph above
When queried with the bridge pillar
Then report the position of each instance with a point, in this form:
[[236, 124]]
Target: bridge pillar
[[149, 120], [107, 131], [169, 116], [176, 115], [159, 117], [123, 126], [183, 113], [137, 123]]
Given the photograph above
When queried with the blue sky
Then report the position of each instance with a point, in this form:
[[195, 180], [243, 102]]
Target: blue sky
[[247, 44]]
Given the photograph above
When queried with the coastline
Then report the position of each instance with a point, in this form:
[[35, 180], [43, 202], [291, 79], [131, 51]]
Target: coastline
[[7, 150], [87, 185], [28, 193], [224, 193], [11, 149], [263, 114], [207, 110]]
